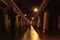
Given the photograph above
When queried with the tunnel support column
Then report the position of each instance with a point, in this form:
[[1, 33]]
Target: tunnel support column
[[45, 21]]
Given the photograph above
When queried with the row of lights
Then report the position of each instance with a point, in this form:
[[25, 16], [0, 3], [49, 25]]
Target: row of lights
[[34, 10]]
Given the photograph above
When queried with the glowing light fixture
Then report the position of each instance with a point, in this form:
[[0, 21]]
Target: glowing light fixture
[[35, 10]]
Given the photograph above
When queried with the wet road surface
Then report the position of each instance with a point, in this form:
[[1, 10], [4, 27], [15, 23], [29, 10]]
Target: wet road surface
[[28, 34], [31, 34]]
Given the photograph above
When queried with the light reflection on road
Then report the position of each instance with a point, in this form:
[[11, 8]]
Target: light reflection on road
[[31, 34]]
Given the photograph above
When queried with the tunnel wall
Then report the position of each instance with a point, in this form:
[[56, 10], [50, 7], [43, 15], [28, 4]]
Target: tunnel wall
[[58, 22]]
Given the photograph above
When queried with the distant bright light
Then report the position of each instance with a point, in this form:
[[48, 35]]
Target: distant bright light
[[35, 9], [32, 18], [25, 15]]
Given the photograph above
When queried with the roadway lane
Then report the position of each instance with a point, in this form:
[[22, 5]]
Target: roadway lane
[[31, 34], [28, 33]]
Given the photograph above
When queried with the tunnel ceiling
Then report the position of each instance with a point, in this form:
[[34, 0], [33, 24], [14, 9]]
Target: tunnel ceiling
[[26, 5]]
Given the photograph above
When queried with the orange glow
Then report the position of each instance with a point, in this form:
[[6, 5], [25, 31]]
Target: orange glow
[[25, 15], [35, 9], [32, 18], [33, 34]]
